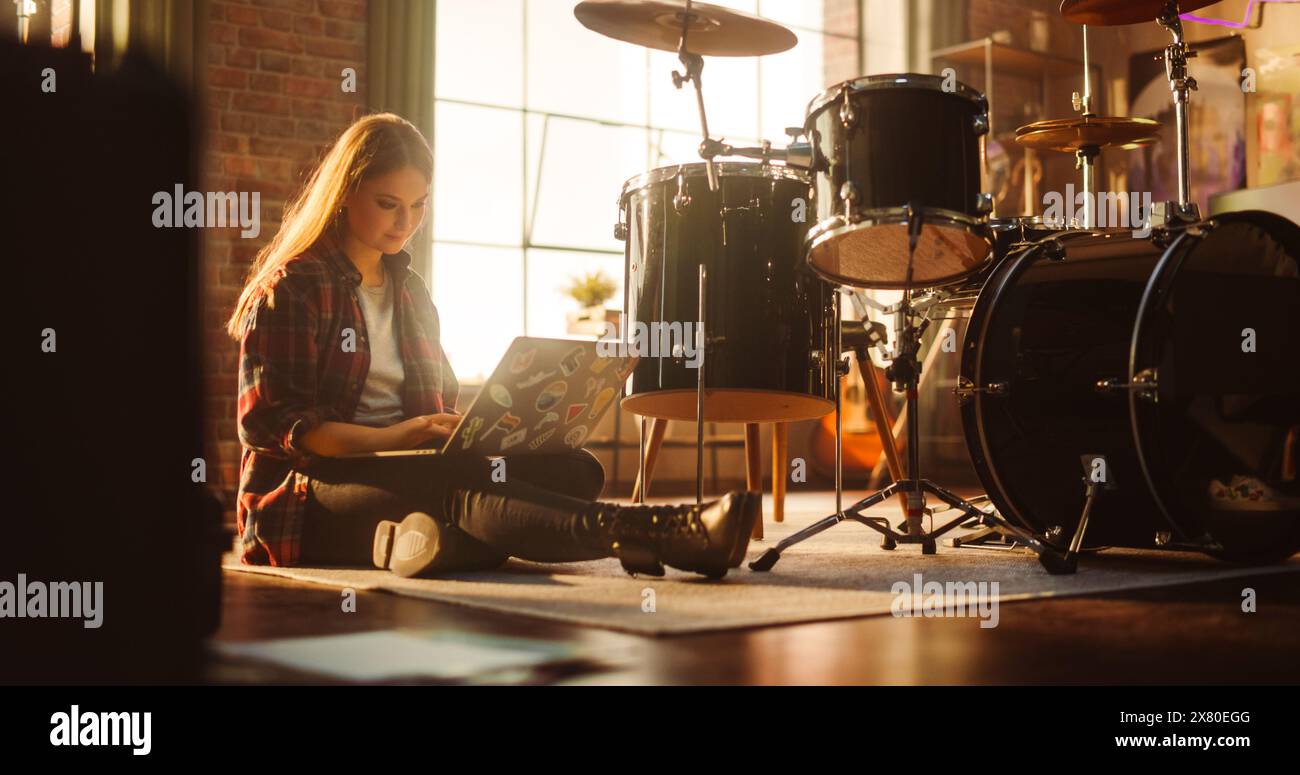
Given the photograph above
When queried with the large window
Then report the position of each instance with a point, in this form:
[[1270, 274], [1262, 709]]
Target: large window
[[539, 121]]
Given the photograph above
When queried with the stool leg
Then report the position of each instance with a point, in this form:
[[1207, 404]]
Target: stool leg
[[780, 469], [754, 467], [657, 429]]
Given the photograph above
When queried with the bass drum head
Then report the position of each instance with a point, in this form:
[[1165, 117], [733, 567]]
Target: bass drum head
[[1220, 327], [1054, 319]]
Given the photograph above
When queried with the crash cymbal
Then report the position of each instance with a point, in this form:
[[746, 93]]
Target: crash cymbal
[[1067, 135], [1105, 13], [713, 31]]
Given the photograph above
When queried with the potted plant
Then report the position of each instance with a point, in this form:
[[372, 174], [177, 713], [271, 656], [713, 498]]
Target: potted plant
[[591, 291]]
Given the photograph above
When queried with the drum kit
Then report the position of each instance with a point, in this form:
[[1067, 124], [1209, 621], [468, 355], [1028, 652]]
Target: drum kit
[[1137, 389]]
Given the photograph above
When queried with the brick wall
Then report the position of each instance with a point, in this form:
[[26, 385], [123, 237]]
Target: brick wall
[[273, 105]]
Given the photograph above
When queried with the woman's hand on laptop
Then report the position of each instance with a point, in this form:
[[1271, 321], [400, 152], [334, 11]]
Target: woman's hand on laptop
[[415, 431]]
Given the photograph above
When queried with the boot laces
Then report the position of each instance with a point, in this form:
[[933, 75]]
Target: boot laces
[[656, 523]]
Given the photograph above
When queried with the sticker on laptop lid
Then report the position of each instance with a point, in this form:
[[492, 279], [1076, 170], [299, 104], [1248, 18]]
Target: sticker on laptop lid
[[541, 438], [500, 395], [576, 436], [602, 400], [513, 439], [550, 397], [522, 361], [472, 427], [535, 379], [572, 360], [506, 423]]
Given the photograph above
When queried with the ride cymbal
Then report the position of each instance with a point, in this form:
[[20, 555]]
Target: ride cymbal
[[713, 31], [1107, 13], [1068, 135]]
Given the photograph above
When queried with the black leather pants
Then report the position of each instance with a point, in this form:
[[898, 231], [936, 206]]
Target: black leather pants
[[532, 514]]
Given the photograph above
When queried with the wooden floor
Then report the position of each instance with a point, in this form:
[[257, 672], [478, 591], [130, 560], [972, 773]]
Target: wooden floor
[[1173, 635]]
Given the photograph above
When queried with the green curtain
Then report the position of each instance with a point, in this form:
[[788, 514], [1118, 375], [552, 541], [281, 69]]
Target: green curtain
[[399, 79]]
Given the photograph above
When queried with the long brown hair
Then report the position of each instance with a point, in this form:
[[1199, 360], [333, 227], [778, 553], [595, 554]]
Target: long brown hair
[[374, 145]]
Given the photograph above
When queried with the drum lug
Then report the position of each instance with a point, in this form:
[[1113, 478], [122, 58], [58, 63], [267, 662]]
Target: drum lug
[[681, 200], [1053, 250], [848, 116], [966, 389], [1144, 384], [983, 203], [849, 195], [679, 350], [981, 124]]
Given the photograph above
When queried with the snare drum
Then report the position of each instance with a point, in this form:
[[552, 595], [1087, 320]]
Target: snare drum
[[770, 353], [884, 142]]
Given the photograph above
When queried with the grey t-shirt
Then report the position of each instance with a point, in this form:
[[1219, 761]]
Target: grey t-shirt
[[381, 397]]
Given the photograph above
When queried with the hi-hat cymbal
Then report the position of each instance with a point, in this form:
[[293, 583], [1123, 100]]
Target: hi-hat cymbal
[[1068, 135], [1106, 13], [713, 31]]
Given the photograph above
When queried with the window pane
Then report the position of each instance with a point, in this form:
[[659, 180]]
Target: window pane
[[582, 171], [793, 13], [574, 70], [790, 81], [479, 294], [478, 174], [549, 275], [730, 96], [465, 28]]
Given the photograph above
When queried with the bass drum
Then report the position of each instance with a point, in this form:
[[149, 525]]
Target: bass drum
[[1177, 363], [771, 350]]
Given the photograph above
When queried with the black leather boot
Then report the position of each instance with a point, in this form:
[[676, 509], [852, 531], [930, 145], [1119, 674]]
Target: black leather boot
[[706, 539]]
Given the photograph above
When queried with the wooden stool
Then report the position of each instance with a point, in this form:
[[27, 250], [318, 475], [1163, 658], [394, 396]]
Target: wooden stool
[[753, 465]]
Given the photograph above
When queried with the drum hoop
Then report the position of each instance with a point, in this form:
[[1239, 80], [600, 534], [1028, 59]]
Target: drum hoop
[[833, 227], [1165, 269], [1018, 221], [892, 81], [730, 169]]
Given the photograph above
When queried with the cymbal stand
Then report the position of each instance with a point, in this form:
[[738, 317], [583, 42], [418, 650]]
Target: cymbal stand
[[1181, 85], [694, 65], [1085, 158]]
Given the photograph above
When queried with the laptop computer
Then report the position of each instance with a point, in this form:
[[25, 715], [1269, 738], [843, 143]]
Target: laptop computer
[[545, 396]]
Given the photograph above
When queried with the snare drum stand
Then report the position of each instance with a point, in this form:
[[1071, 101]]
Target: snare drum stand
[[905, 372]]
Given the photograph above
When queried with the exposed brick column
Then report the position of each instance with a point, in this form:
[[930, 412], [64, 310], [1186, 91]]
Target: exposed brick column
[[273, 105]]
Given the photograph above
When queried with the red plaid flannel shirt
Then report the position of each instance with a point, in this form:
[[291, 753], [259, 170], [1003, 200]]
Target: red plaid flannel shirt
[[294, 374]]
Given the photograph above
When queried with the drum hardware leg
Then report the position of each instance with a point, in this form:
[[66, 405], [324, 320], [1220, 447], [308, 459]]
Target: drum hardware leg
[[701, 339], [780, 469], [639, 490], [649, 455], [839, 415], [1065, 564], [754, 467], [1086, 160]]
